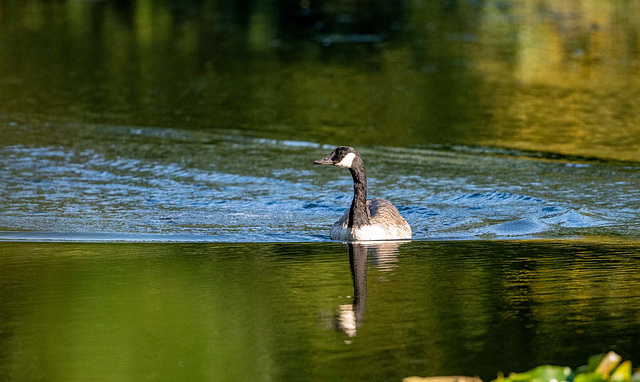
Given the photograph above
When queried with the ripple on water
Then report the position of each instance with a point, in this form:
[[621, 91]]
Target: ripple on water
[[521, 227], [271, 192]]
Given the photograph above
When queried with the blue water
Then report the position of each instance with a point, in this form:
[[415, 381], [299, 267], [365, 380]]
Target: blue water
[[156, 184]]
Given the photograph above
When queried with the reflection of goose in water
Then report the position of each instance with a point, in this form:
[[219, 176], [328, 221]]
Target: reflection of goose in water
[[350, 317], [376, 219]]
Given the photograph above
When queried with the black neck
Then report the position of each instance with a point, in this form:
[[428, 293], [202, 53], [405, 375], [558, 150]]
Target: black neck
[[358, 214]]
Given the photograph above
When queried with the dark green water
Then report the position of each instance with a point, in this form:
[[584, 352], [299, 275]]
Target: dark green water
[[73, 312], [160, 218], [538, 76]]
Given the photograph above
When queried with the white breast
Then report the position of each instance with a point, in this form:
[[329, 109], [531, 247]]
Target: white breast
[[368, 232]]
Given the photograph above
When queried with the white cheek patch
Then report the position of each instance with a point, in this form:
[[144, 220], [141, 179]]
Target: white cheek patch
[[346, 161]]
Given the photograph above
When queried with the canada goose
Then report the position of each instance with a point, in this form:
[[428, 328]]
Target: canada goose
[[376, 219]]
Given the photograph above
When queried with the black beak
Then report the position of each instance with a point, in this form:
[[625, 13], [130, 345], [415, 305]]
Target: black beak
[[325, 160]]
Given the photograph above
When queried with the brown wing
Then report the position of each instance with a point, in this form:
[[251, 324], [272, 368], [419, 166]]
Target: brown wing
[[386, 215], [383, 212], [342, 222]]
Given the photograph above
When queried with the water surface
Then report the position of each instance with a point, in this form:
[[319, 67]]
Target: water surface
[[225, 186], [198, 120], [537, 76], [160, 217], [77, 311]]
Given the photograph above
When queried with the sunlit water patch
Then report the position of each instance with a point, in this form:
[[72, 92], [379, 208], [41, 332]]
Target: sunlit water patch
[[133, 183]]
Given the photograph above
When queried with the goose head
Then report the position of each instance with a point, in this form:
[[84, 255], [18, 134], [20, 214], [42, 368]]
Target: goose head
[[342, 156]]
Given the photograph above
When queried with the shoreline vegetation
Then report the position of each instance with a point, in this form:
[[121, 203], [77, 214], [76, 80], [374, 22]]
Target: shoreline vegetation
[[600, 368]]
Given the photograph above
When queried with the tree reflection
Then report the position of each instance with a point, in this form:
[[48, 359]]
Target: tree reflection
[[342, 22], [557, 77]]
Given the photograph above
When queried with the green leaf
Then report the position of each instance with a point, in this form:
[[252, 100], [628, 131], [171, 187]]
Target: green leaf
[[622, 373], [594, 361], [546, 373], [590, 376]]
